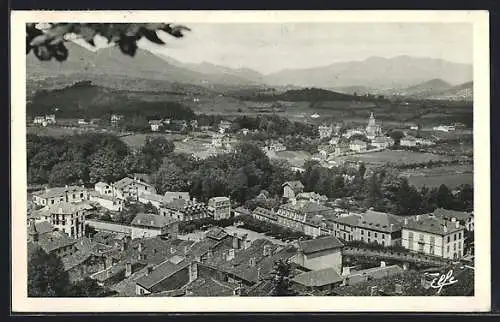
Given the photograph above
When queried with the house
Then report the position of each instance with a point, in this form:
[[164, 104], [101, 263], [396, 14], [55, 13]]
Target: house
[[67, 217], [369, 274], [409, 141], [358, 146], [317, 280], [444, 128], [370, 227], [244, 131], [54, 242], [103, 188], [352, 132], [382, 142], [130, 188], [82, 122], [465, 219], [305, 216], [116, 118], [220, 207], [153, 225], [155, 199], [334, 141], [325, 131], [433, 236], [320, 253], [170, 275], [265, 215], [51, 196], [276, 147], [312, 196], [326, 150], [155, 125], [178, 125], [292, 188], [39, 120], [50, 119], [185, 210], [241, 211], [172, 195], [422, 141], [224, 126], [106, 201], [194, 124]]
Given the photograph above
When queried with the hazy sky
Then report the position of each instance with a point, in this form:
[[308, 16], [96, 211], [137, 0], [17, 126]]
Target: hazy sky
[[271, 47]]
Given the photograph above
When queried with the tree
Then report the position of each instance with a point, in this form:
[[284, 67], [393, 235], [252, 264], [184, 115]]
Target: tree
[[47, 43], [68, 172], [105, 166], [170, 177], [46, 274], [444, 198], [396, 136], [87, 287], [281, 278]]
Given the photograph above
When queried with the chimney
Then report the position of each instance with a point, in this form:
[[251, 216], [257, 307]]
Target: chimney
[[418, 217], [392, 227], [445, 228], [172, 250], [457, 224], [251, 262], [405, 267], [453, 219], [373, 290], [382, 264], [346, 270], [140, 247], [406, 221], [259, 277], [236, 241], [154, 251], [398, 288], [128, 269], [149, 270], [247, 243], [193, 271]]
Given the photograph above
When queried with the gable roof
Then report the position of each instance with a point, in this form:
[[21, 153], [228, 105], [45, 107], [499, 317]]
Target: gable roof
[[449, 214], [243, 210], [266, 213], [216, 233], [317, 278], [171, 195], [210, 287], [43, 227], [380, 221], [320, 244], [431, 224], [151, 220], [296, 185], [58, 191], [160, 273], [55, 240]]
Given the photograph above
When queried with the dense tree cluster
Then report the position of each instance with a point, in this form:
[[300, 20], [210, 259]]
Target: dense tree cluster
[[47, 278], [89, 158]]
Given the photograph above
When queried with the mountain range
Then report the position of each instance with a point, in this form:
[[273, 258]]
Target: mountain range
[[374, 74]]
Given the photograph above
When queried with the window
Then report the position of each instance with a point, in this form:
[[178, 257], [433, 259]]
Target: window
[[362, 232], [52, 201], [454, 237], [368, 234], [383, 236], [74, 196], [81, 195], [448, 239], [454, 247], [383, 242], [375, 235], [460, 235], [448, 248]]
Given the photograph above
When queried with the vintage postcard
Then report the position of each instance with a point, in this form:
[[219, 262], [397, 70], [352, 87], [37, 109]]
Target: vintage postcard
[[188, 161]]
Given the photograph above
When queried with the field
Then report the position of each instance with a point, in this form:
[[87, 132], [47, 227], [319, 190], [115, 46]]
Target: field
[[395, 157], [295, 158], [452, 176]]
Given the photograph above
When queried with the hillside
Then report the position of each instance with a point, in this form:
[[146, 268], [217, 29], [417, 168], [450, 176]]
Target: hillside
[[426, 89], [375, 72], [462, 92], [111, 63], [87, 100], [303, 95]]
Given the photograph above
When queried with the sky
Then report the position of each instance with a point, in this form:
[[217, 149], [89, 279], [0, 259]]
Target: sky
[[271, 47]]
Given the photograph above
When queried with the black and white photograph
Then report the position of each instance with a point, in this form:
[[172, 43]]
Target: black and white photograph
[[251, 156]]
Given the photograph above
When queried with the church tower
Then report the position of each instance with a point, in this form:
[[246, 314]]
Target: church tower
[[372, 130]]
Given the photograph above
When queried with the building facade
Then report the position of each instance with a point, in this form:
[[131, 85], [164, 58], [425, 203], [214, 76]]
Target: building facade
[[220, 207], [52, 196]]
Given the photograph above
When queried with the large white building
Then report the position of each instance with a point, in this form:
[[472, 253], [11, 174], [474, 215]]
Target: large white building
[[220, 207], [52, 196], [430, 235]]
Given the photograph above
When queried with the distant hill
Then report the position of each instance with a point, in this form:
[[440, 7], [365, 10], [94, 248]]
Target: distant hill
[[305, 95], [426, 89], [110, 62], [84, 99], [375, 72], [356, 90], [462, 92]]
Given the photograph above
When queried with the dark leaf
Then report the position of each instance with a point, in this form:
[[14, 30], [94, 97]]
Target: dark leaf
[[60, 52], [152, 36], [175, 30], [128, 45], [42, 52]]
